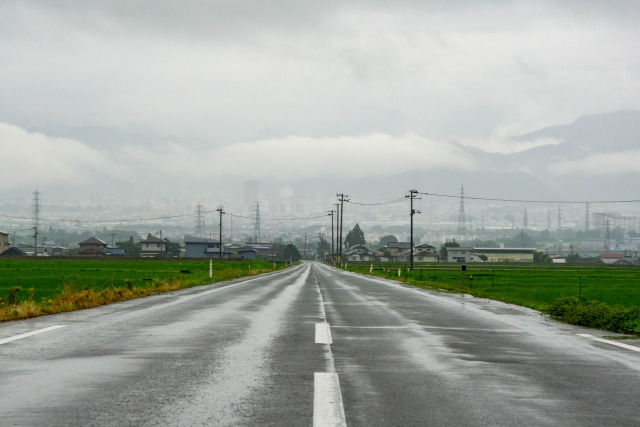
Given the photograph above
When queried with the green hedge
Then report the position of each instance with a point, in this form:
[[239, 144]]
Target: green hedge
[[579, 311]]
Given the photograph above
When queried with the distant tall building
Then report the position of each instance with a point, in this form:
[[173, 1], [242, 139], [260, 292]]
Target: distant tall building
[[251, 193]]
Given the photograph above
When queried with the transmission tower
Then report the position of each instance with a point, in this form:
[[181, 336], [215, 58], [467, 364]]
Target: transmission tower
[[586, 219], [199, 220], [525, 222], [462, 226], [256, 226], [607, 239], [35, 208], [549, 220], [559, 221]]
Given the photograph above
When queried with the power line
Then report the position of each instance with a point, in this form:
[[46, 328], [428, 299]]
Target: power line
[[107, 220], [278, 219], [11, 200], [377, 204], [530, 201]]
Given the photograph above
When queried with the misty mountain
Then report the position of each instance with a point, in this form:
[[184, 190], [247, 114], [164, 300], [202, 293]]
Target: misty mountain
[[135, 162], [600, 133], [524, 174], [615, 131], [110, 138]]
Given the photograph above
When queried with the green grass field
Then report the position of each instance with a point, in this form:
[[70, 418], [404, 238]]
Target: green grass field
[[530, 285], [48, 277]]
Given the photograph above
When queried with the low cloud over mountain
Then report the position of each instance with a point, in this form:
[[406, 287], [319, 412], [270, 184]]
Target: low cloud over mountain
[[589, 158]]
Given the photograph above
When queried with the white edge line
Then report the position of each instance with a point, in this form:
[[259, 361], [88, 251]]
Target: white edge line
[[619, 344], [29, 334]]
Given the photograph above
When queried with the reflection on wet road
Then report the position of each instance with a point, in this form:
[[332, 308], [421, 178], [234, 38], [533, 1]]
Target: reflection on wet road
[[312, 345]]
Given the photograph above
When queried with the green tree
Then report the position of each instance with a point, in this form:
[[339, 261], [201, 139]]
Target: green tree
[[290, 252], [448, 244], [133, 248], [573, 258], [355, 237], [388, 239], [520, 240], [323, 248], [173, 248], [541, 257]]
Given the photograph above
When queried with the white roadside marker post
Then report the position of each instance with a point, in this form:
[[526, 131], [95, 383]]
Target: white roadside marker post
[[210, 268]]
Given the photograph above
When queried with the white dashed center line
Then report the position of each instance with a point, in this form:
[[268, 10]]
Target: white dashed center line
[[327, 401], [328, 410], [323, 333], [29, 334]]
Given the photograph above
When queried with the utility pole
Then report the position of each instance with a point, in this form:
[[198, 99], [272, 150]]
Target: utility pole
[[333, 253], [36, 220], [549, 221], [161, 243], [112, 234], [525, 222], [337, 205], [305, 245], [35, 241], [342, 198], [221, 211], [412, 196], [607, 239], [36, 209]]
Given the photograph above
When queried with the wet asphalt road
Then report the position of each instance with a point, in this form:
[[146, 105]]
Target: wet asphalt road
[[245, 353]]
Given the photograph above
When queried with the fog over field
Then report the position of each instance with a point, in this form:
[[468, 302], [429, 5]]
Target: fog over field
[[182, 99]]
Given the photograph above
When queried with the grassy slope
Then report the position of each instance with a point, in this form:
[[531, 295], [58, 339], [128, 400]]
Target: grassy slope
[[531, 286], [57, 285]]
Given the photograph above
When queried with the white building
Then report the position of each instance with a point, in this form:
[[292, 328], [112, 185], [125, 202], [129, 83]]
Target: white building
[[153, 247], [4, 241]]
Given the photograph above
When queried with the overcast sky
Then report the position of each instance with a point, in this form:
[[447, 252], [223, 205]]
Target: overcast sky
[[286, 74]]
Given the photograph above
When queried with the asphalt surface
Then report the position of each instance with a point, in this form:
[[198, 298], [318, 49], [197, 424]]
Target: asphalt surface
[[313, 345]]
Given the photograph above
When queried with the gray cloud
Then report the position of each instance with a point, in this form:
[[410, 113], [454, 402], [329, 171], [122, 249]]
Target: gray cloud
[[240, 71]]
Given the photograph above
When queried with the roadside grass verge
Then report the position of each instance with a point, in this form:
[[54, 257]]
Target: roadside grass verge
[[602, 297], [31, 288]]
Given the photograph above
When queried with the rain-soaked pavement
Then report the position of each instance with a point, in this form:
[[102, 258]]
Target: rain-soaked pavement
[[316, 346]]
